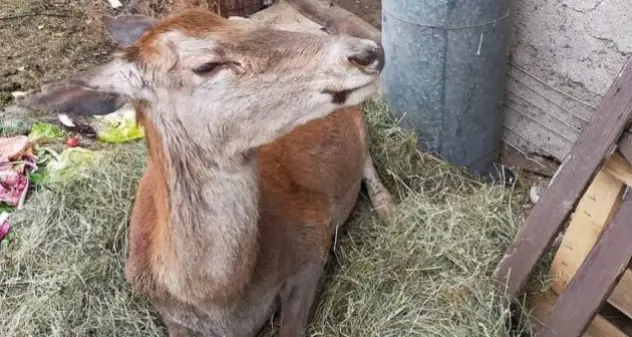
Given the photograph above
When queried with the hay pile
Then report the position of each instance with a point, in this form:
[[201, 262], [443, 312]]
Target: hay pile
[[427, 275]]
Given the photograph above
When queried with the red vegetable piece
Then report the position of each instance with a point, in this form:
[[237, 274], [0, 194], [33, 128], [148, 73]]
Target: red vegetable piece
[[72, 141]]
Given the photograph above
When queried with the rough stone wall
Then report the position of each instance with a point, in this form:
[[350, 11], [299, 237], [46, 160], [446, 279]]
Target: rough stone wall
[[564, 54]]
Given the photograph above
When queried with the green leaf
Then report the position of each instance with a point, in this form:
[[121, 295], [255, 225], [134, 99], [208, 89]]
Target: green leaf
[[4, 207], [120, 126], [36, 178], [71, 163], [45, 132]]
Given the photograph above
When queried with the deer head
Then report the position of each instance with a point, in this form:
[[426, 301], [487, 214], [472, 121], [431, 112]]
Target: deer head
[[226, 82]]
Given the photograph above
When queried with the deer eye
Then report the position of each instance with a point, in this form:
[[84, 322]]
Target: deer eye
[[206, 68]]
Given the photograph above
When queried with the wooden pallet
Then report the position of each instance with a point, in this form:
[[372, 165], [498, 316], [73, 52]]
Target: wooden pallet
[[590, 268], [595, 210]]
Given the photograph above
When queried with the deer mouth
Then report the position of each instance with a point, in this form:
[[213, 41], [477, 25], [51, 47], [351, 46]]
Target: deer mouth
[[341, 96]]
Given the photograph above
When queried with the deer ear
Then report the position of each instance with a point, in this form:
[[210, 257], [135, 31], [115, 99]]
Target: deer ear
[[96, 92], [126, 29]]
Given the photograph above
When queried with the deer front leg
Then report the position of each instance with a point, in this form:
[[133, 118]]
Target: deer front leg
[[380, 196], [176, 330], [297, 299]]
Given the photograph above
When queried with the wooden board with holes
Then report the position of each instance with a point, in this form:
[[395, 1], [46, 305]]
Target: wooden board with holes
[[595, 279], [547, 218], [594, 210], [600, 327]]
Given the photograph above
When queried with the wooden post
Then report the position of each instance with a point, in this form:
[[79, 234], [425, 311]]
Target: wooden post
[[595, 279], [547, 217]]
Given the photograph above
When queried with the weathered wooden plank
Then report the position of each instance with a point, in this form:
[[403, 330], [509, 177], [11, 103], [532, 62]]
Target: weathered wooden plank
[[600, 327], [625, 145], [595, 209], [619, 167], [541, 305], [593, 212], [621, 297], [548, 215], [594, 281]]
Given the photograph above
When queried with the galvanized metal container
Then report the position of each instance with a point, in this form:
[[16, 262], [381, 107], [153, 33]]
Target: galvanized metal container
[[445, 74]]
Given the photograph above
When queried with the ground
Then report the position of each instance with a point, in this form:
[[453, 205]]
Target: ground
[[369, 10]]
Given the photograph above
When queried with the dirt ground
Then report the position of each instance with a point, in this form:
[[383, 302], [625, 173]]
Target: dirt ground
[[43, 40], [369, 10]]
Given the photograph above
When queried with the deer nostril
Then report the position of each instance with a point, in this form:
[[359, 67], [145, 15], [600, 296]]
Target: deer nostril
[[361, 60], [373, 58]]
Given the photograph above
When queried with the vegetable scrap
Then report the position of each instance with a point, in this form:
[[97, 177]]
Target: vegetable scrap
[[13, 187], [17, 160], [45, 132], [71, 162], [115, 3], [72, 141], [119, 126], [19, 163]]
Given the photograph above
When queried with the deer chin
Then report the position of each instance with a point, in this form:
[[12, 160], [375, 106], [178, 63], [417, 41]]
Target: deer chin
[[352, 96]]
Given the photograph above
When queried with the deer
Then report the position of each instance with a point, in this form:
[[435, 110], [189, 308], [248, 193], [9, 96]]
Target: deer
[[257, 149]]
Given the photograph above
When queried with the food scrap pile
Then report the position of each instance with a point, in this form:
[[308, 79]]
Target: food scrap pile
[[17, 160], [30, 160]]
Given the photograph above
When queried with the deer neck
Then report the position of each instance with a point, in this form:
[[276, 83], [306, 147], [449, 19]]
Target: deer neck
[[211, 237]]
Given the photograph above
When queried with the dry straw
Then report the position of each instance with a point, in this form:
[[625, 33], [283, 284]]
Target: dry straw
[[427, 275]]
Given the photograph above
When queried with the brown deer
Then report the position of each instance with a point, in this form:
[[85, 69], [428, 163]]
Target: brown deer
[[256, 153]]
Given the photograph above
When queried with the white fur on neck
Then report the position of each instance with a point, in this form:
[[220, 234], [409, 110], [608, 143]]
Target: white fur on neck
[[214, 214]]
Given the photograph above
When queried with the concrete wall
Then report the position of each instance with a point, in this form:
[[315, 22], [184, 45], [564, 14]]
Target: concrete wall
[[564, 55]]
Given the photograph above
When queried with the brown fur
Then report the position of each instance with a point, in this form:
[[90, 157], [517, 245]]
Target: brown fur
[[307, 190], [303, 181], [243, 190], [309, 182]]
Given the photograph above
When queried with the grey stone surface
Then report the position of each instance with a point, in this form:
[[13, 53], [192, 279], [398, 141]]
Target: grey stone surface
[[564, 56]]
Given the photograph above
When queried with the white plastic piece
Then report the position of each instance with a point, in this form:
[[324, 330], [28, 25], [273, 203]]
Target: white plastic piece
[[64, 119], [115, 3], [17, 94]]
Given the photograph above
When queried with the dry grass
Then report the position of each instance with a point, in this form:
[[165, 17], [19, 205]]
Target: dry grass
[[62, 272], [427, 275]]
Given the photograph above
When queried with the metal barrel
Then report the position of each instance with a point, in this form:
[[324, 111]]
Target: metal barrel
[[445, 74]]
